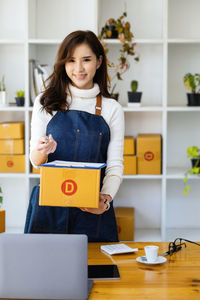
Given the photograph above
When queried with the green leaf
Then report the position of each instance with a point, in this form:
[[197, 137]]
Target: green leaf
[[185, 179], [1, 199]]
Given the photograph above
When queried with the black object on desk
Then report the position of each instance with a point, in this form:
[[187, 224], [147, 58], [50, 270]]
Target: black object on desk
[[103, 272]]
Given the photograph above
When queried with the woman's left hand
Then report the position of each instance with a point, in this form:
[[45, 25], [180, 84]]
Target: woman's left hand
[[102, 205]]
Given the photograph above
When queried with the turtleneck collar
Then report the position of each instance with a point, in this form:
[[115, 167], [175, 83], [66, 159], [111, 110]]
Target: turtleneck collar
[[86, 94]]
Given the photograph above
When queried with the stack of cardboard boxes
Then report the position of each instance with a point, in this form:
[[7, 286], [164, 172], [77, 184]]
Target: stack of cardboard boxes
[[148, 154], [12, 158], [145, 160], [2, 220], [125, 223], [35, 171], [129, 156]]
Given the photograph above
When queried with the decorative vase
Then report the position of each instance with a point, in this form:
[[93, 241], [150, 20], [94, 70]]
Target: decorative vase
[[193, 99], [115, 96], [3, 98], [19, 101], [134, 98], [195, 162]]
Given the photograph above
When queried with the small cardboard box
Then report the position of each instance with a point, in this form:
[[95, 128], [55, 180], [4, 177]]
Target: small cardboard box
[[12, 146], [130, 164], [35, 171], [125, 223], [129, 145], [75, 184], [149, 154], [12, 163], [12, 130], [2, 220]]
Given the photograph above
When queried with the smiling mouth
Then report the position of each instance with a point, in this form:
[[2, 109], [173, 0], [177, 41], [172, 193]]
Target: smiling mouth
[[80, 76]]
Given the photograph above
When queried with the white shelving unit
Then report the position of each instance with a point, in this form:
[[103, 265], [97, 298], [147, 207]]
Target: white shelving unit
[[167, 35]]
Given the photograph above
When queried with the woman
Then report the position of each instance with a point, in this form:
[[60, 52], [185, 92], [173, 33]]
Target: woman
[[76, 120]]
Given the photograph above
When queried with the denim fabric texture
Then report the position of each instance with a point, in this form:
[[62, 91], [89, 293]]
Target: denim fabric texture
[[81, 137]]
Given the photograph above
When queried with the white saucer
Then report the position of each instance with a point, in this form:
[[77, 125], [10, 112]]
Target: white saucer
[[160, 260]]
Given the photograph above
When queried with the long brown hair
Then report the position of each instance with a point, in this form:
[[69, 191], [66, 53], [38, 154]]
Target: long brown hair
[[54, 97]]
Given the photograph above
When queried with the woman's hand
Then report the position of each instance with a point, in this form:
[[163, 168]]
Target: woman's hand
[[102, 205], [46, 145]]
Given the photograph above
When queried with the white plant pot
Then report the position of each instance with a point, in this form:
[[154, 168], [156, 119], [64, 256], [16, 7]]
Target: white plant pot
[[3, 98]]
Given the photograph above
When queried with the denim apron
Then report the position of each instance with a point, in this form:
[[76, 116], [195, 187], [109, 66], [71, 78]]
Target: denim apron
[[82, 137]]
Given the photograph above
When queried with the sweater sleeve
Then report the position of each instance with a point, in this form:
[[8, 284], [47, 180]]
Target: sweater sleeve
[[114, 169], [39, 123]]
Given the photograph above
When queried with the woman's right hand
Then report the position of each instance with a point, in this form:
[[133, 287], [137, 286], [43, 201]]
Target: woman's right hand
[[46, 145]]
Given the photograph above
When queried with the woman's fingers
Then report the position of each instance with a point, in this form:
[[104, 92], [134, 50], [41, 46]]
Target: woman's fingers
[[46, 144]]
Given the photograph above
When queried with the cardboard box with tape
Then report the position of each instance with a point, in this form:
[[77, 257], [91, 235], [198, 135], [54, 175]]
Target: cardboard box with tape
[[14, 146], [149, 154], [35, 171], [125, 223], [130, 164], [129, 145], [2, 220], [12, 163], [12, 130], [74, 184]]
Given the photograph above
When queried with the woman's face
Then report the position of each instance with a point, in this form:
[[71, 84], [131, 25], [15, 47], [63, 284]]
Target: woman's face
[[82, 66]]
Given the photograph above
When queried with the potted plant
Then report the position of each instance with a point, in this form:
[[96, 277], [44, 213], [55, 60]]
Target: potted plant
[[125, 36], [192, 83], [193, 152], [134, 97], [2, 91], [20, 98]]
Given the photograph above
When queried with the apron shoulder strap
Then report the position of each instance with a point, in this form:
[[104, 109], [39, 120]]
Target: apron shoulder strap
[[98, 107]]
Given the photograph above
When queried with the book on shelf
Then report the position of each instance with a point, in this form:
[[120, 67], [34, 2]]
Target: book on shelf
[[38, 74]]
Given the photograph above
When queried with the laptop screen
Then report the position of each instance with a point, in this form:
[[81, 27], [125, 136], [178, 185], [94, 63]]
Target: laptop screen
[[43, 266]]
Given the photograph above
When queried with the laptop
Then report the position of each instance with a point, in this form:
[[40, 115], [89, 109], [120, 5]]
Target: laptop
[[44, 266]]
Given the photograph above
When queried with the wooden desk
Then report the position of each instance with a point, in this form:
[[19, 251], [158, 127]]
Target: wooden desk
[[178, 278]]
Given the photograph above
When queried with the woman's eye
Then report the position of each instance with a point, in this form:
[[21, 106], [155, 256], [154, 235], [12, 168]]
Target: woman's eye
[[87, 59], [71, 60]]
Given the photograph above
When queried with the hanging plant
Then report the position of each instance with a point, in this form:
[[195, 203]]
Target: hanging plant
[[125, 35]]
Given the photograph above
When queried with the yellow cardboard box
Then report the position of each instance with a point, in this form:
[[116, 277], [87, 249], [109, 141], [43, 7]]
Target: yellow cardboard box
[[35, 171], [129, 145], [149, 154], [12, 146], [2, 220], [12, 163], [70, 184], [130, 164], [12, 130], [125, 223]]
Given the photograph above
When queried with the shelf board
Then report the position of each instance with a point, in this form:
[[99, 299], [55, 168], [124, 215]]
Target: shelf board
[[183, 41], [14, 229], [178, 173], [11, 42], [137, 41], [149, 41], [12, 108], [45, 41], [34, 176], [12, 175], [142, 108], [142, 176], [183, 108]]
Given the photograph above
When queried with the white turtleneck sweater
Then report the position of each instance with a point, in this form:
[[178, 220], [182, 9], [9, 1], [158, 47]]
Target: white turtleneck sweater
[[85, 100]]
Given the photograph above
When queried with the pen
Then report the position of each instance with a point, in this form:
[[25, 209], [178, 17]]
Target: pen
[[47, 140]]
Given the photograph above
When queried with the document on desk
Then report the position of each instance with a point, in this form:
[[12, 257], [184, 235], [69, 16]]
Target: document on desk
[[117, 249]]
